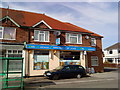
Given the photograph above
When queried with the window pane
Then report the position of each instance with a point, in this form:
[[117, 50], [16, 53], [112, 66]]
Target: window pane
[[67, 37], [36, 32], [19, 51], [9, 33], [73, 35], [79, 38], [73, 40], [94, 60], [41, 37], [9, 51], [1, 28], [93, 41], [46, 36], [14, 51], [0, 34], [42, 32]]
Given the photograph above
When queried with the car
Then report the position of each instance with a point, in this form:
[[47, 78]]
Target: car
[[67, 71]]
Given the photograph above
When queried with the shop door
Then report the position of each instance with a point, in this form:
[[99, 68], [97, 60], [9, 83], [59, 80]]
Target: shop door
[[66, 72]]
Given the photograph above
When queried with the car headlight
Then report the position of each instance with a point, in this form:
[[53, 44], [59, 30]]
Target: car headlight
[[48, 74]]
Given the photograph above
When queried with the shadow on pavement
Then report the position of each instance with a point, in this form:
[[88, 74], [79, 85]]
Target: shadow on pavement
[[38, 84], [110, 69]]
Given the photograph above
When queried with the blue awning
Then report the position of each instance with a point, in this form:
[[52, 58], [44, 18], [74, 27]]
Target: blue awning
[[53, 47]]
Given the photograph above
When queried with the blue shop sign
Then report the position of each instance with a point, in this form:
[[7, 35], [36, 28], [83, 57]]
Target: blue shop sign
[[53, 47]]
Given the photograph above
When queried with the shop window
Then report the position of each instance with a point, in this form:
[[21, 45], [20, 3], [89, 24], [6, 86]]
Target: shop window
[[41, 36], [93, 42], [94, 60], [73, 38], [7, 33], [14, 53], [69, 58], [41, 59]]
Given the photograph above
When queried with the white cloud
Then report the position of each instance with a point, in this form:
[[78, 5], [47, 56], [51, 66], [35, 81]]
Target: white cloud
[[103, 16]]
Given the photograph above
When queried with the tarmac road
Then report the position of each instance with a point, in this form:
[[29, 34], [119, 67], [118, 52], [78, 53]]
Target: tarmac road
[[107, 79]]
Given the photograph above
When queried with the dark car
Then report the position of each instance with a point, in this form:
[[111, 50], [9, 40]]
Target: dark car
[[67, 71]]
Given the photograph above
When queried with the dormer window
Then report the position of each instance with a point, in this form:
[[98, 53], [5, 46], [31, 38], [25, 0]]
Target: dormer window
[[41, 36], [73, 38], [7, 33]]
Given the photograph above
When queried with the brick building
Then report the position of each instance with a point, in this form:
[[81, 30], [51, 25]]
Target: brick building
[[46, 43]]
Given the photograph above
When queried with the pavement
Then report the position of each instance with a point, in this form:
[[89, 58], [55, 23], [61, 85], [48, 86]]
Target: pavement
[[42, 83], [39, 82]]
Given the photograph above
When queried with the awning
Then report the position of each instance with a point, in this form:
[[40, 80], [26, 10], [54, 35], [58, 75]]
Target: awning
[[53, 47]]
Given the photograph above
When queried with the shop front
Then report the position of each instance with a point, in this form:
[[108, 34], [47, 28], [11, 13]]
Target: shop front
[[47, 57]]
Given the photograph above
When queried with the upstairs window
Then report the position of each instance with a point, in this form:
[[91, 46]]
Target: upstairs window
[[73, 38], [110, 52], [93, 42], [41, 36], [119, 51], [7, 33]]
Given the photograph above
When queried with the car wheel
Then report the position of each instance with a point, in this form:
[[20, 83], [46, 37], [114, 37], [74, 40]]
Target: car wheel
[[55, 77], [79, 76]]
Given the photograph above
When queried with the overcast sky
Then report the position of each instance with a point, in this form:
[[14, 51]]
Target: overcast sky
[[99, 17]]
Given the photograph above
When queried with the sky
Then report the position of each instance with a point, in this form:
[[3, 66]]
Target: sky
[[100, 17]]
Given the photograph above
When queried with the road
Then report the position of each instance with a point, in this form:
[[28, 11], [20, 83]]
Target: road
[[97, 80]]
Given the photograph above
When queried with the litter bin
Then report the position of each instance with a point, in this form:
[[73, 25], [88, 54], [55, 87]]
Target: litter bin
[[11, 72]]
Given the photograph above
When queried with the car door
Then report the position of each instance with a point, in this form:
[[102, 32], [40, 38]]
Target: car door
[[66, 72]]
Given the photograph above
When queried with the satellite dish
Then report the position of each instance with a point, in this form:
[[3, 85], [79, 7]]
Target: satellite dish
[[87, 37]]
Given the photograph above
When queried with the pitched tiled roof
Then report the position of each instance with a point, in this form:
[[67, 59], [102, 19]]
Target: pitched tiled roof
[[115, 46], [93, 34], [24, 18]]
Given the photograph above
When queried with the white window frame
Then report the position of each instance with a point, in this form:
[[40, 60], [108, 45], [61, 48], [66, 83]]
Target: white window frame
[[44, 36], [3, 33], [70, 35], [94, 58], [7, 53], [94, 41]]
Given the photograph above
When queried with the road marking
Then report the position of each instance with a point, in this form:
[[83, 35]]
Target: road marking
[[82, 81]]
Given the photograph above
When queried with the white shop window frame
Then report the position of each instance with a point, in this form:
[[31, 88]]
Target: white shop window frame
[[94, 58], [3, 33], [7, 53], [44, 36], [77, 36]]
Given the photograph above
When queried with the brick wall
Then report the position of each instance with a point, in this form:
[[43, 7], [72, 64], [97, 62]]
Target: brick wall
[[98, 53], [21, 34]]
